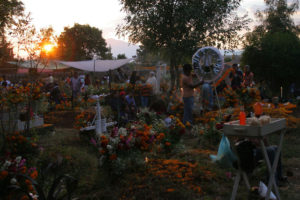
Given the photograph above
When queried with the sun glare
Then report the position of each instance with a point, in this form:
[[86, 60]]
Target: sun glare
[[48, 47]]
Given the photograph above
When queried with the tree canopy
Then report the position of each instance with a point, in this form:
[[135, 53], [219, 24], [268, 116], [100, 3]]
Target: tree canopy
[[121, 56], [272, 49], [9, 9], [82, 42], [178, 27]]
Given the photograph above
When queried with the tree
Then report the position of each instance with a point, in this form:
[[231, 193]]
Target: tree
[[6, 51], [9, 10], [147, 57], [81, 42], [121, 56], [272, 49], [30, 42], [176, 28]]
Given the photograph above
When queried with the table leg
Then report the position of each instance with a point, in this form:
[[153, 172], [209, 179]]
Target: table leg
[[272, 168], [246, 180], [236, 185]]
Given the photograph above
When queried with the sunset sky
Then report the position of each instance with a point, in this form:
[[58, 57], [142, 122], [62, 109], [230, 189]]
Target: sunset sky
[[103, 14]]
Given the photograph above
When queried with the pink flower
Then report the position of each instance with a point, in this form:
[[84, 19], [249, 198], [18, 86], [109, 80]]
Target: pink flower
[[93, 141], [228, 174]]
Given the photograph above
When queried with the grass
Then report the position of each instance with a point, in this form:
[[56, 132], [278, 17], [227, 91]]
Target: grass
[[96, 183]]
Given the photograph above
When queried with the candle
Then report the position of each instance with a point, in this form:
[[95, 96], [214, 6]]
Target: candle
[[281, 92]]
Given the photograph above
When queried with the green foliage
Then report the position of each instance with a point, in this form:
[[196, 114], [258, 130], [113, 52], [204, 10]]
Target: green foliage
[[273, 48], [121, 56], [227, 59], [82, 42], [9, 9], [211, 133]]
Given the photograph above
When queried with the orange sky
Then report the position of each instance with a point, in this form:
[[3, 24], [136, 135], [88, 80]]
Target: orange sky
[[103, 14]]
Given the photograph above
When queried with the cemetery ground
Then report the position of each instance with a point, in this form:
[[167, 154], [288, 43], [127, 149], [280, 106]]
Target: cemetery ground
[[154, 156], [185, 173]]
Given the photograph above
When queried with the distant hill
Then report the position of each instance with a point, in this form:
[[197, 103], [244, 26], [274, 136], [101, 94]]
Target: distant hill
[[121, 47]]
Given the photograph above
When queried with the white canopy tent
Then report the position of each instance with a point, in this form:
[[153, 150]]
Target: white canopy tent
[[96, 65], [33, 64], [88, 65]]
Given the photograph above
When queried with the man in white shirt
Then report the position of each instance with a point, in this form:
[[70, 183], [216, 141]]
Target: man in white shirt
[[152, 81], [50, 79], [75, 86]]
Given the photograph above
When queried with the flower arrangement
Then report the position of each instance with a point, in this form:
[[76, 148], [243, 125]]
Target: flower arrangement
[[168, 130], [18, 144], [126, 140], [282, 111], [15, 98], [82, 119], [231, 97], [16, 179], [64, 105]]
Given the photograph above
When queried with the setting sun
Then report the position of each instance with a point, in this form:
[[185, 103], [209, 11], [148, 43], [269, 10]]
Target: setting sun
[[48, 47]]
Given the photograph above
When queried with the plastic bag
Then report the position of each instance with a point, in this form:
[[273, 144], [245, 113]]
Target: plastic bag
[[225, 156], [262, 190]]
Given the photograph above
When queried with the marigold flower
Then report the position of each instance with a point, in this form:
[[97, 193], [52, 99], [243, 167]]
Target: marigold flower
[[167, 144], [3, 174], [30, 187], [23, 169], [28, 182], [113, 157], [34, 174], [102, 151], [25, 197], [170, 190]]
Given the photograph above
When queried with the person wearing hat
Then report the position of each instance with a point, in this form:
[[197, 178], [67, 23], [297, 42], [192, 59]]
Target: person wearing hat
[[188, 93]]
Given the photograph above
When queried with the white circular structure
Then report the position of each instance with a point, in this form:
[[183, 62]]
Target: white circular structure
[[208, 63]]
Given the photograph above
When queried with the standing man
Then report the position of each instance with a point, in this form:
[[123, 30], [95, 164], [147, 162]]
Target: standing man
[[152, 81], [236, 77], [75, 86], [188, 93]]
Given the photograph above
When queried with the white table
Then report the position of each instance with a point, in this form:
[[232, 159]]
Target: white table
[[235, 129]]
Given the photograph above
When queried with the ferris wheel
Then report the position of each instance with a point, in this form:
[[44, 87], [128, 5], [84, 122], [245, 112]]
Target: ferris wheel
[[208, 63]]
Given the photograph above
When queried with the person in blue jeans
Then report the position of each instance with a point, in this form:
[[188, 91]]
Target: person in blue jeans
[[271, 151], [188, 93], [250, 153], [207, 96]]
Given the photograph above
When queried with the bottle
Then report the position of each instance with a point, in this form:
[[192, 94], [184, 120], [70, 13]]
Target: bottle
[[242, 116], [258, 109]]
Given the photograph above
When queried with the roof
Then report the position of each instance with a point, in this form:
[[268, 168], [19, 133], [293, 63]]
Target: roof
[[96, 65]]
